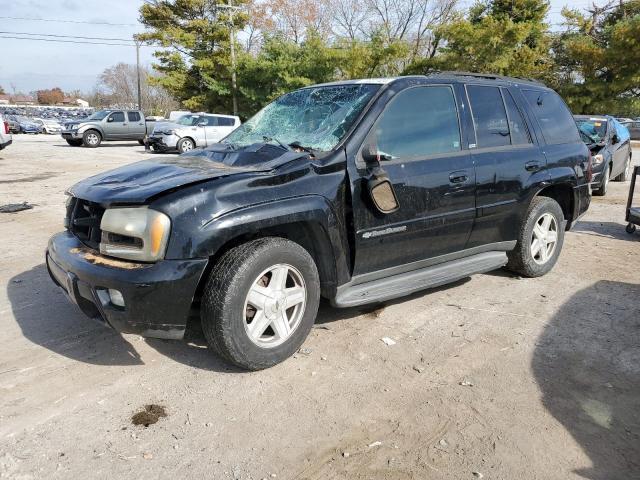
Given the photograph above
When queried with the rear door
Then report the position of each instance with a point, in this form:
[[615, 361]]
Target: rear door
[[136, 128], [507, 163], [433, 177]]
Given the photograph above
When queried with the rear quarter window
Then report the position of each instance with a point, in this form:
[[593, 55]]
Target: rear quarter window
[[554, 118]]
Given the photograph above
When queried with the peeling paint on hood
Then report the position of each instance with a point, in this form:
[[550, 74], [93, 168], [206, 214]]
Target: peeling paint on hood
[[138, 182]]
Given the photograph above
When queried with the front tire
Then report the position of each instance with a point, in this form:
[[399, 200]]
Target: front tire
[[74, 143], [186, 145], [604, 183], [91, 139], [540, 239], [260, 302]]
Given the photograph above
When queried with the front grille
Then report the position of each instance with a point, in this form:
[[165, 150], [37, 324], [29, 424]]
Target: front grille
[[83, 220]]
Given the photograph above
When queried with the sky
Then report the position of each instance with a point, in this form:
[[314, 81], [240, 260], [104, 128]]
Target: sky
[[30, 65]]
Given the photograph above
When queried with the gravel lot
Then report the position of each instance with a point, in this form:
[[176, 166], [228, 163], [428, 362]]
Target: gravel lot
[[493, 376]]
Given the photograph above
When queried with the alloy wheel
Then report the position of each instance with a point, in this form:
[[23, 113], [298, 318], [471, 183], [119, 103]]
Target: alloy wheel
[[544, 238], [92, 139], [274, 306]]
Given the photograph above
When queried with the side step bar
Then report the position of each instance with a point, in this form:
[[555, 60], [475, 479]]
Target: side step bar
[[350, 295]]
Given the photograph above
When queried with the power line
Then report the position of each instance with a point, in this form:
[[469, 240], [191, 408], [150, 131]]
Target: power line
[[71, 21], [66, 36], [70, 41]]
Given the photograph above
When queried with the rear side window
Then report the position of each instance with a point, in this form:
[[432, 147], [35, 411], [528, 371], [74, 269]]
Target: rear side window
[[133, 116], [419, 122], [226, 122], [517, 126], [555, 120], [489, 116], [117, 117], [212, 121]]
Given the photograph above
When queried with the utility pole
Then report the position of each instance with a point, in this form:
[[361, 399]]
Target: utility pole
[[138, 74], [232, 42]]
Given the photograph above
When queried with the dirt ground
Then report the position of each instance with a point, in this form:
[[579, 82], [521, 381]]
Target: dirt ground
[[494, 376]]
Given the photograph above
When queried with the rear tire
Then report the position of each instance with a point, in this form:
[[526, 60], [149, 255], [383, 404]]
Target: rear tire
[[251, 271], [91, 139], [626, 174], [531, 259]]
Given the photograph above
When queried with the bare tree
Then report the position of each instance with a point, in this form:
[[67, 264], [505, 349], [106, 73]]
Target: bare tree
[[117, 85], [349, 18]]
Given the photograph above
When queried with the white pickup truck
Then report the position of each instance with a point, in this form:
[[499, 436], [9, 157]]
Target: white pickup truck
[[192, 130]]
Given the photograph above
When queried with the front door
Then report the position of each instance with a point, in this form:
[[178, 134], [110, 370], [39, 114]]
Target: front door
[[115, 127], [418, 140]]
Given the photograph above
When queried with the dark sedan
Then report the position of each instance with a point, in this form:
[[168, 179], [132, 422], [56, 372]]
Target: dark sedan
[[634, 128], [610, 146]]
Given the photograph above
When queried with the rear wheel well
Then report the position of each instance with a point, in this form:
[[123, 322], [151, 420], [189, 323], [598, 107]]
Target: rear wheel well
[[563, 194], [310, 236]]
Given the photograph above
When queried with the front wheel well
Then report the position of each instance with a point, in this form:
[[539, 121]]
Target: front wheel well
[[563, 194], [310, 236]]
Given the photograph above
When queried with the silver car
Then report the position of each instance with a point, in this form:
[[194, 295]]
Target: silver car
[[191, 131], [48, 125], [5, 134]]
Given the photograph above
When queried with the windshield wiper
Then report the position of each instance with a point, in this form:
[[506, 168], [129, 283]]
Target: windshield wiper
[[272, 139], [296, 144]]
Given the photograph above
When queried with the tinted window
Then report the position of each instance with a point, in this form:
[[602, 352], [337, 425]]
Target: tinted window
[[117, 117], [226, 122], [211, 121], [553, 116], [622, 131], [517, 126], [133, 116], [489, 116], [419, 122]]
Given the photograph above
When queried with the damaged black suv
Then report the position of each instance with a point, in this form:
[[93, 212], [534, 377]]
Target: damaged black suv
[[356, 191]]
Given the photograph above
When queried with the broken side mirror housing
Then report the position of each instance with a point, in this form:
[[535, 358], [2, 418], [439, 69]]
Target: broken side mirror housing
[[382, 193]]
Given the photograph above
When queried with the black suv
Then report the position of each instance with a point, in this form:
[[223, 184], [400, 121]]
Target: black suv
[[357, 191]]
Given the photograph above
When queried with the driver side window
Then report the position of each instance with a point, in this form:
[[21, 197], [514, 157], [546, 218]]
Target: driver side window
[[117, 117], [419, 122]]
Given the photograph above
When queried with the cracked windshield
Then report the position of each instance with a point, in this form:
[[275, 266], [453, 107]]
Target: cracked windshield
[[311, 118], [594, 129]]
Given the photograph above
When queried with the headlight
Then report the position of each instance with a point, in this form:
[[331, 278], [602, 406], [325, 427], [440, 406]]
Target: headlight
[[598, 159], [136, 233]]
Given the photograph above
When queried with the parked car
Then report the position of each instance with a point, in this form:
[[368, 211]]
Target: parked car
[[634, 129], [191, 131], [107, 125], [5, 134], [14, 124], [23, 124], [610, 145], [48, 125], [359, 191]]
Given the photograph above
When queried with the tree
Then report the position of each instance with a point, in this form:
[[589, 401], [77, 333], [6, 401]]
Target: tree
[[194, 62], [118, 85], [55, 96], [506, 37], [599, 59]]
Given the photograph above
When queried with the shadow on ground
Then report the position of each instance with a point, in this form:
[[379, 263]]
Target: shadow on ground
[[47, 318], [587, 363], [605, 229]]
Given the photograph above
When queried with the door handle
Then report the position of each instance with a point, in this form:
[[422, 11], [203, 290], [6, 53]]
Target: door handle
[[458, 177], [532, 166]]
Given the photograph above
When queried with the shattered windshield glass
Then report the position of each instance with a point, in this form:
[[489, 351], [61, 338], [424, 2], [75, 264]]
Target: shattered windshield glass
[[316, 118], [594, 129]]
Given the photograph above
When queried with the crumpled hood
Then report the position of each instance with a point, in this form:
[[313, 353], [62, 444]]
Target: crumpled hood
[[138, 182]]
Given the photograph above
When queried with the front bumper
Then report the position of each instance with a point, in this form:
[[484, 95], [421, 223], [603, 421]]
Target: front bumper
[[164, 142], [6, 144], [157, 296], [71, 135]]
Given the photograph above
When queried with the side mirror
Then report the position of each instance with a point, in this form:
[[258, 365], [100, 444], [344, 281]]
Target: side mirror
[[203, 123], [110, 119], [383, 194], [615, 138]]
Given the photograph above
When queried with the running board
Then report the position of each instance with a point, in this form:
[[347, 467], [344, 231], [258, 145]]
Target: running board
[[350, 295]]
